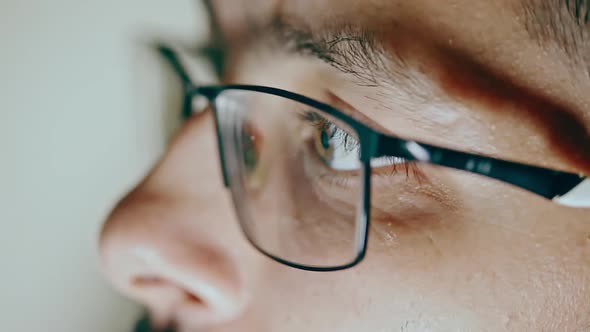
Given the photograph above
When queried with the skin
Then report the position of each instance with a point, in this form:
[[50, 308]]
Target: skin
[[454, 253]]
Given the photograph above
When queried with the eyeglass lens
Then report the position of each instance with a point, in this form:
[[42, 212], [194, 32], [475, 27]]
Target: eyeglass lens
[[295, 175]]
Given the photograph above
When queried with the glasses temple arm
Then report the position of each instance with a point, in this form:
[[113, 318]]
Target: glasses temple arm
[[172, 59], [545, 182]]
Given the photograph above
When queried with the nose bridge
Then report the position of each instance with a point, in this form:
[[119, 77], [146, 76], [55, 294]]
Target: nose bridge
[[191, 165], [187, 182], [178, 225], [184, 191]]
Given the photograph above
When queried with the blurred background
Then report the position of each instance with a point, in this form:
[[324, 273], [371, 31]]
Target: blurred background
[[85, 109]]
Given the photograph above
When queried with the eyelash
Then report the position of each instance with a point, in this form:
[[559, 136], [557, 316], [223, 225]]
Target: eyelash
[[394, 165], [348, 142]]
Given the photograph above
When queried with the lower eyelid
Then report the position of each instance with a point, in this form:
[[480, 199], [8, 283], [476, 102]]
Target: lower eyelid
[[424, 183], [320, 171], [403, 197]]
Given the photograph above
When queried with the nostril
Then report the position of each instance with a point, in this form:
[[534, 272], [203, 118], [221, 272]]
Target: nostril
[[193, 299], [201, 287]]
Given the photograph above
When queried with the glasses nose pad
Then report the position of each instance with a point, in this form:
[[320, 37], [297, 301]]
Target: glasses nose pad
[[193, 105], [198, 104]]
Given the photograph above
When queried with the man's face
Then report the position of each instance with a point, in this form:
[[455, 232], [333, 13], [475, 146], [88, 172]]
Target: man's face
[[508, 79]]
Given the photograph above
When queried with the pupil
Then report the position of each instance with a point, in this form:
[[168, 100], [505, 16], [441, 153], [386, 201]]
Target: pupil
[[325, 139]]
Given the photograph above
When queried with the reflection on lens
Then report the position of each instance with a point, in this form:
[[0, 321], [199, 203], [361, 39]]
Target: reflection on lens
[[289, 191]]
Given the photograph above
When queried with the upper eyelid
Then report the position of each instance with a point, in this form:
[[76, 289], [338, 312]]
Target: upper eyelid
[[343, 106]]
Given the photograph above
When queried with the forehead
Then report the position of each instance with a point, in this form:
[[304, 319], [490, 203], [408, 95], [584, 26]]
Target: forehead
[[553, 19]]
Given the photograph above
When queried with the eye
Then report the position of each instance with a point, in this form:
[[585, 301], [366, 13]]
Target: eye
[[251, 143], [336, 147]]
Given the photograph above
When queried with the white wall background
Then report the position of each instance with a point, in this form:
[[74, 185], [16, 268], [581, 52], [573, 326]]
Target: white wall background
[[82, 105]]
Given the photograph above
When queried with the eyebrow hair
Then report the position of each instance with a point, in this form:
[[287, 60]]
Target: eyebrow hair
[[565, 23], [350, 49]]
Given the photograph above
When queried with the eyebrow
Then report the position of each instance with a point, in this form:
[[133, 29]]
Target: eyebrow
[[350, 49], [565, 23]]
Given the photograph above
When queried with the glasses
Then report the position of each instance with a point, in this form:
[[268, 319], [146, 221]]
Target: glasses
[[300, 170]]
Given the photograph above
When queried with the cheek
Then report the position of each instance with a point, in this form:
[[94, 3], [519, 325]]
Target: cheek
[[486, 266], [370, 297], [512, 260]]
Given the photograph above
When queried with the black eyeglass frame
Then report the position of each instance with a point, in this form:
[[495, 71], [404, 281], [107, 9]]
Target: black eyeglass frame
[[548, 183]]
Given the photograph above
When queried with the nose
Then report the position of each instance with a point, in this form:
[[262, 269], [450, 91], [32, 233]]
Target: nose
[[173, 243]]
